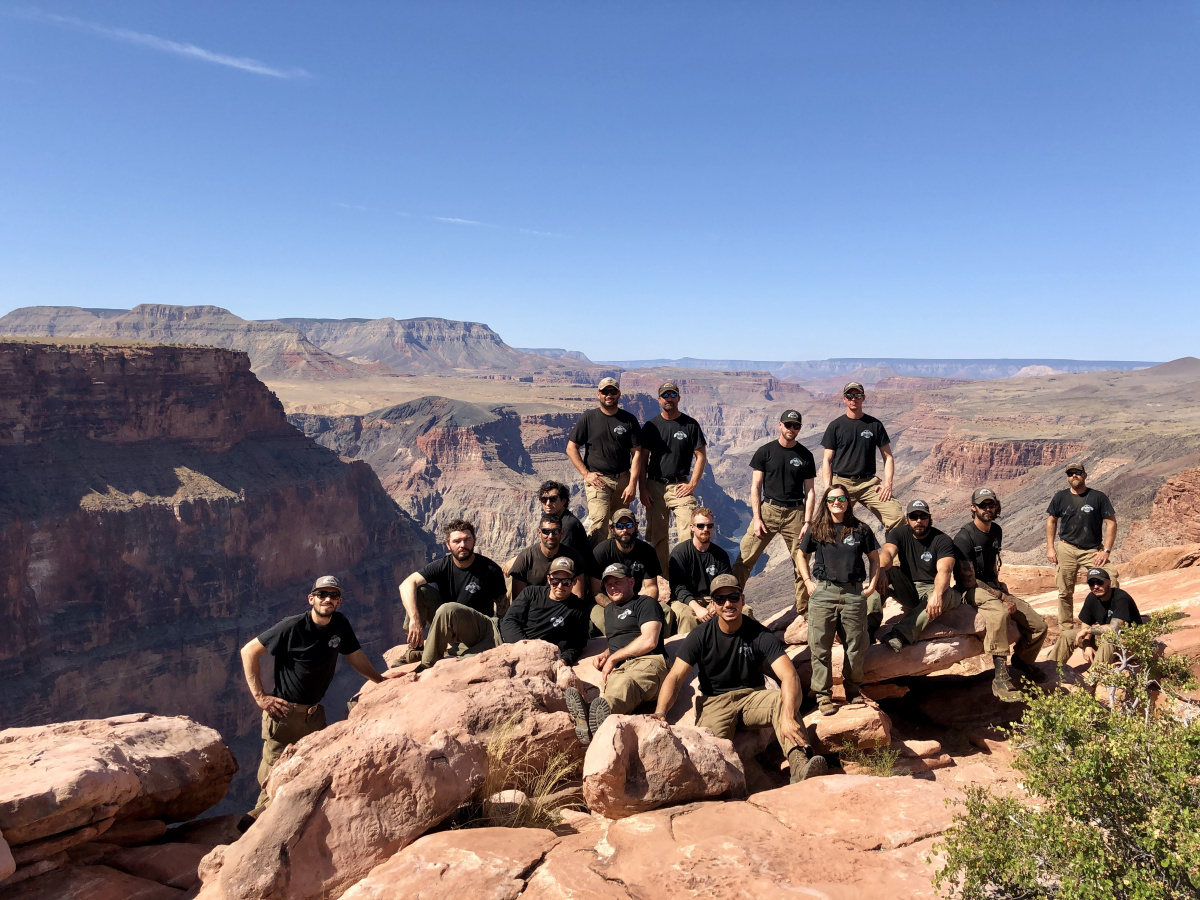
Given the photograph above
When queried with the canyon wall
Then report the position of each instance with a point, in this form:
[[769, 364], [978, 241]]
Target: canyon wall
[[156, 512]]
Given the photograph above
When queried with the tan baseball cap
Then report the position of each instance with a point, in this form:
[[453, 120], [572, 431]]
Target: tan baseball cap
[[607, 383], [615, 570], [326, 583], [622, 514], [667, 386], [723, 581], [563, 564], [853, 386]]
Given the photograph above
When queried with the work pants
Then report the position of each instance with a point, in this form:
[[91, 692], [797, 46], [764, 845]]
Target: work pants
[[786, 521], [680, 618], [1030, 625], [453, 623], [658, 517], [1106, 651], [634, 681], [602, 503], [278, 734], [744, 708], [914, 598], [865, 491], [837, 609], [1070, 560]]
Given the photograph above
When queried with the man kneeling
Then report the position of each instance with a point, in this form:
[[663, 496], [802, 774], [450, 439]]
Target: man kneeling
[[731, 650], [635, 663], [1106, 610]]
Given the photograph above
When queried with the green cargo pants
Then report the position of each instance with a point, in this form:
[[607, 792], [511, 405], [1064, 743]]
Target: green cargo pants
[[837, 609], [279, 734], [914, 598], [722, 714]]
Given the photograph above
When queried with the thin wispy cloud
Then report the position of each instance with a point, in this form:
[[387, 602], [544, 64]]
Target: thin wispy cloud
[[163, 45], [352, 206], [454, 221]]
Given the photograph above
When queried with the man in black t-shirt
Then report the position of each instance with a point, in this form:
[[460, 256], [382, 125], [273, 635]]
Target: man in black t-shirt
[[305, 648], [672, 440], [917, 562], [782, 502], [550, 612], [532, 564], [1106, 610], [456, 597], [693, 565], [850, 442], [625, 548], [978, 545], [731, 651], [634, 665], [1086, 527], [605, 447], [555, 498]]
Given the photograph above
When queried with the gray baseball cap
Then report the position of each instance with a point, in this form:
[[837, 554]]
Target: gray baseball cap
[[916, 506], [983, 494], [607, 383], [667, 386], [616, 570], [326, 583]]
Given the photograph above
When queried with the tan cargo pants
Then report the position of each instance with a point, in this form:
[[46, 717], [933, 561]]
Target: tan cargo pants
[[1030, 625], [1106, 651], [680, 618], [277, 735], [469, 630], [865, 491], [602, 503], [914, 598], [743, 708], [777, 520], [1070, 560], [634, 681], [658, 519]]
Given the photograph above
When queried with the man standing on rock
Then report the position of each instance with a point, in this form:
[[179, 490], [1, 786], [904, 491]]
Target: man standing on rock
[[634, 665], [731, 650], [850, 443], [781, 498], [1086, 525], [550, 612], [637, 556], [533, 563], [693, 566], [1106, 610], [555, 498], [978, 544], [305, 648], [612, 458], [456, 597], [672, 439]]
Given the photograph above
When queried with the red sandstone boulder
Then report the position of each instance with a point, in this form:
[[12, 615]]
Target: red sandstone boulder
[[638, 763], [1160, 559], [174, 865], [920, 658], [862, 726], [7, 864], [90, 883]]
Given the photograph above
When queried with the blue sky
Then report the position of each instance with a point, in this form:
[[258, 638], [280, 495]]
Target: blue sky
[[752, 180]]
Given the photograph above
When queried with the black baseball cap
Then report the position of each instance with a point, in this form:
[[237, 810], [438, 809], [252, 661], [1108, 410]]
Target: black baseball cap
[[1098, 574], [916, 506], [983, 494], [789, 416], [616, 570]]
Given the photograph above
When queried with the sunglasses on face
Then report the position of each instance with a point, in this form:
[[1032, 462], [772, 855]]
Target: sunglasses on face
[[791, 426], [836, 500], [854, 395], [917, 517], [1093, 584], [550, 499], [726, 599], [622, 526], [669, 395], [1071, 473], [325, 595], [610, 392], [703, 526], [550, 530], [559, 582], [988, 504]]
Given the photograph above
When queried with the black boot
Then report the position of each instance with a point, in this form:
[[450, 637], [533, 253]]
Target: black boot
[[1002, 685]]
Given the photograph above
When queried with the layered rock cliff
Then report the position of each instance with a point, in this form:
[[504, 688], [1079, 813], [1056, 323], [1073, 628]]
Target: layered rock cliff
[[157, 511]]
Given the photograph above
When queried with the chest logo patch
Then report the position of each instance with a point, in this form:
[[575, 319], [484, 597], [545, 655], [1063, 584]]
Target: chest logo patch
[[334, 641], [850, 540], [711, 570], [620, 429], [471, 587], [978, 549], [638, 567], [746, 650], [680, 435], [558, 620], [795, 462], [1087, 508], [626, 614], [926, 556], [866, 433]]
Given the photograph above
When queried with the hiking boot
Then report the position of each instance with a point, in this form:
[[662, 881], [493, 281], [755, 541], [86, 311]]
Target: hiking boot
[[895, 643], [855, 699], [1028, 672], [803, 767], [600, 710], [826, 706], [1002, 685], [579, 712]]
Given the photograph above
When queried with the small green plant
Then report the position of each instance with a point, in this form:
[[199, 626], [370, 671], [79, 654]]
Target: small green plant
[[878, 761], [1114, 791]]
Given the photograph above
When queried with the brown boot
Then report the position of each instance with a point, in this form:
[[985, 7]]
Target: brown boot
[[1002, 684]]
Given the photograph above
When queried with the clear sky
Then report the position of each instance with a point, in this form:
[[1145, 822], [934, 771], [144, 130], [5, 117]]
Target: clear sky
[[754, 180]]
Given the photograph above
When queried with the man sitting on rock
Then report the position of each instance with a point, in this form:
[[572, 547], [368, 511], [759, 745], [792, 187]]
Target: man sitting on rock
[[636, 555], [694, 564], [731, 650], [533, 563], [456, 597], [921, 581], [1106, 610], [978, 543], [634, 665], [550, 612], [305, 647]]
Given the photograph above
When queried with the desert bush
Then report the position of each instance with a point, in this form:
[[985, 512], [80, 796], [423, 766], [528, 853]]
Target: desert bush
[[874, 761]]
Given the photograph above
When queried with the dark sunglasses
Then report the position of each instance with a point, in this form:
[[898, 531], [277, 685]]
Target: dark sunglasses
[[622, 526], [336, 595], [670, 395], [837, 499], [560, 581], [853, 395], [989, 504], [550, 530], [1096, 583], [726, 599], [1071, 472], [608, 392], [917, 517], [704, 526], [550, 498], [791, 426]]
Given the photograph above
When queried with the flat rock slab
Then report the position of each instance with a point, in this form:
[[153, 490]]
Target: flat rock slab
[[90, 883], [921, 658], [174, 865], [211, 830], [490, 863], [863, 726]]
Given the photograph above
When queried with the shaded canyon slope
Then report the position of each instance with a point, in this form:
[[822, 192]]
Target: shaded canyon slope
[[156, 512]]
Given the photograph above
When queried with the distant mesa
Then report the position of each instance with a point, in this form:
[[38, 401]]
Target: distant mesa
[[555, 353]]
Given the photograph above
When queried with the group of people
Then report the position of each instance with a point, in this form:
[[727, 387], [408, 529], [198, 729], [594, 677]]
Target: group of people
[[602, 579]]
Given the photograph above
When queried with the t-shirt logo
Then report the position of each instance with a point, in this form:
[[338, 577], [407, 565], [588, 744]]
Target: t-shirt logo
[[1087, 508], [471, 587], [746, 650], [334, 641], [996, 545], [625, 615], [926, 556], [866, 433], [620, 429], [558, 620], [795, 462], [711, 570], [680, 435], [978, 549], [638, 567], [850, 540]]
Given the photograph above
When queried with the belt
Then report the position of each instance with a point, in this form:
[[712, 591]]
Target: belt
[[786, 504], [857, 479], [668, 481]]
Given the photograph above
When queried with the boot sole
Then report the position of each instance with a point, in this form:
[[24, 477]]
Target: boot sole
[[579, 713], [600, 710], [816, 767]]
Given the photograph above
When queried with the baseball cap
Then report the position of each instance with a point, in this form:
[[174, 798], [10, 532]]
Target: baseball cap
[[607, 383], [616, 570], [983, 494], [1075, 465], [853, 386], [667, 386], [916, 506], [563, 564], [326, 583], [723, 581], [622, 514], [790, 415], [1097, 574]]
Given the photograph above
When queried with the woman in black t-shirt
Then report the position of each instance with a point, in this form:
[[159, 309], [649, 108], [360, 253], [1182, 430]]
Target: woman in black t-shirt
[[839, 543]]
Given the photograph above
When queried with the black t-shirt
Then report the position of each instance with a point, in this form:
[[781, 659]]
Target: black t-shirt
[[842, 560], [1120, 606], [623, 621], [981, 549], [672, 444], [574, 535], [306, 655], [785, 469], [918, 559], [641, 560], [478, 586], [730, 661], [607, 441], [853, 442], [1081, 517], [690, 572], [535, 616], [532, 565]]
